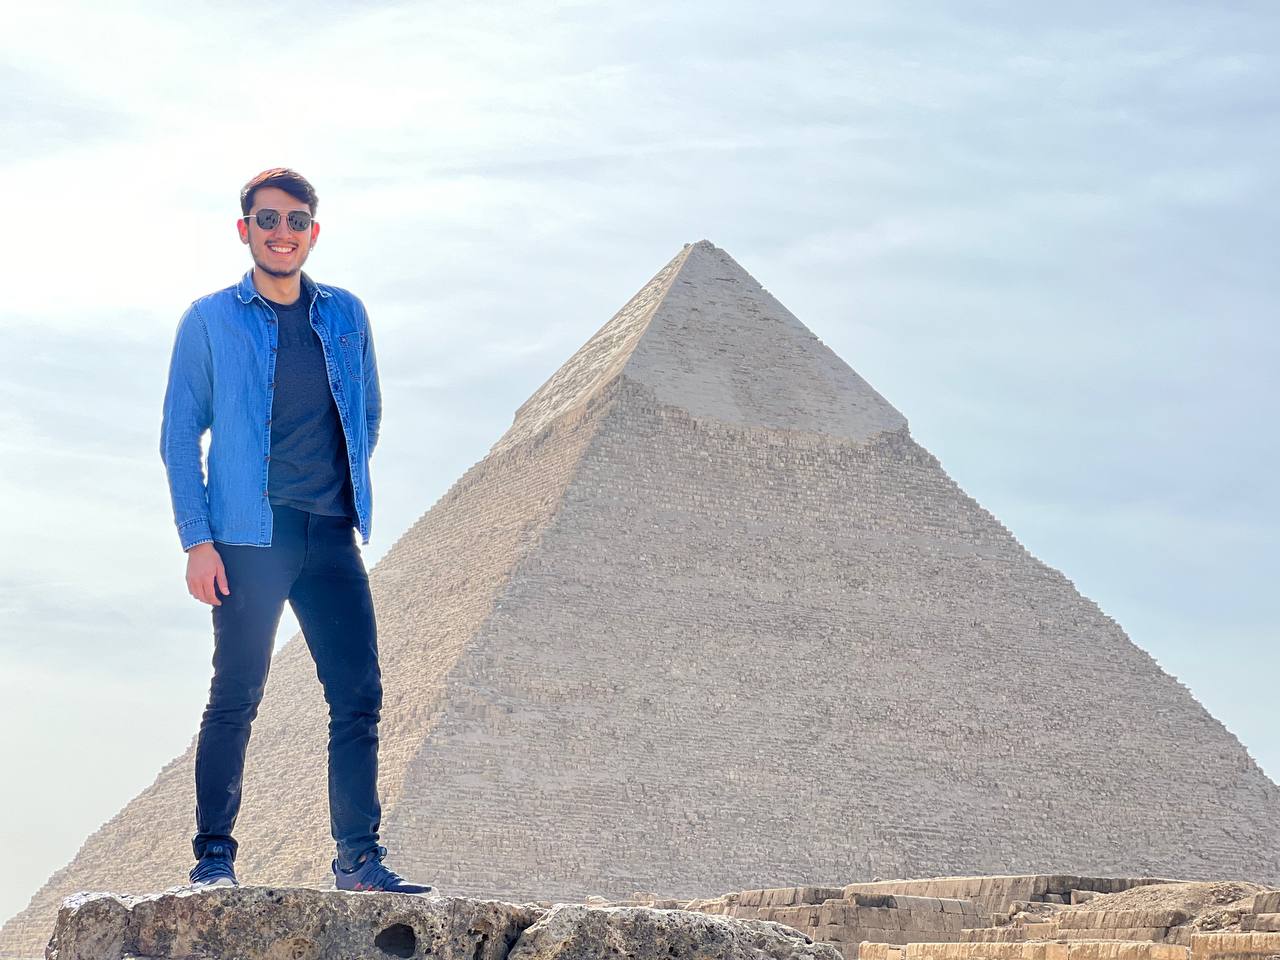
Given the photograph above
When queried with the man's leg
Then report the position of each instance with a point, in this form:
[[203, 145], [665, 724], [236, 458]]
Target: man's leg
[[335, 610], [244, 628]]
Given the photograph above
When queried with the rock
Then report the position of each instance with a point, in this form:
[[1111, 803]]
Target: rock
[[269, 923], [640, 933]]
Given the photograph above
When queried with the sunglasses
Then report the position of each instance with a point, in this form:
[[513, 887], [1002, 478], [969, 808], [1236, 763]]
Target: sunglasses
[[267, 219]]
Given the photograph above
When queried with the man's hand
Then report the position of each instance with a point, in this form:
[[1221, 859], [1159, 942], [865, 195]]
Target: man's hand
[[204, 568]]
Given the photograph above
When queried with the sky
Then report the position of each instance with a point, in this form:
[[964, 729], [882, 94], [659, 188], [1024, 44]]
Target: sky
[[1044, 232]]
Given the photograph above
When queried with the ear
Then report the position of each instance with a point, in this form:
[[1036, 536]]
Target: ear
[[242, 228], [315, 230]]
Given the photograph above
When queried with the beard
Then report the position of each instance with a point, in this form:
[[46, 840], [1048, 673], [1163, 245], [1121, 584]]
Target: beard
[[275, 272]]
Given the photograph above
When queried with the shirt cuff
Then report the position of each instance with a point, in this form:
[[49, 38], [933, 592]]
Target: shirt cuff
[[195, 532]]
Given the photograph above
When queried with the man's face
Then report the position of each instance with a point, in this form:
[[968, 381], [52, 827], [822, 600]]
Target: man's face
[[280, 252]]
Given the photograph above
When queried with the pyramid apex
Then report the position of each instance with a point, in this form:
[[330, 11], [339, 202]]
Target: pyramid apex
[[704, 336], [719, 345], [702, 246]]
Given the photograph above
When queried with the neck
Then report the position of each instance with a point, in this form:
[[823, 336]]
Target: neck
[[279, 289]]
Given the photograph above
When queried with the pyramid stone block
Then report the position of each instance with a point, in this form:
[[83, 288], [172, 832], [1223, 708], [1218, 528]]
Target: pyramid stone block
[[707, 618]]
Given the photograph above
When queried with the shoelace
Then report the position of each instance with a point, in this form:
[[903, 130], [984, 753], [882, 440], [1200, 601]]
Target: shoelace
[[376, 876]]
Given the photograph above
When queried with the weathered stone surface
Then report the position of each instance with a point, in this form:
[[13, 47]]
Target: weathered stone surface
[[880, 951], [1235, 946], [1119, 910], [1083, 919], [1003, 894], [1076, 950], [1262, 922], [573, 932], [265, 923]]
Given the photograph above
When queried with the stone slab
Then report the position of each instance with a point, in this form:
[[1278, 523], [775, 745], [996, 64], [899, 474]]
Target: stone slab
[[1234, 946], [1263, 922], [1047, 950], [1268, 902], [269, 923]]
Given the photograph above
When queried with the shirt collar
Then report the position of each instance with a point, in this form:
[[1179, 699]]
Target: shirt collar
[[246, 291]]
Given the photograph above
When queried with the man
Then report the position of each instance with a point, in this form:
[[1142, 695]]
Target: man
[[282, 371]]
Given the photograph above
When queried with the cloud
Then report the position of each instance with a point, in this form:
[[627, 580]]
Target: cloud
[[39, 116]]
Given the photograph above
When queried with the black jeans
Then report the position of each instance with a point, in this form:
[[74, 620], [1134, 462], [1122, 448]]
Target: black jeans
[[314, 563]]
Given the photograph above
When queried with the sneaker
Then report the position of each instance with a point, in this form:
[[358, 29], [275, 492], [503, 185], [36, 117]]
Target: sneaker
[[214, 869], [370, 874]]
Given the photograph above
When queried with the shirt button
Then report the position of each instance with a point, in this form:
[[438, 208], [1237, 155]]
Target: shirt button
[[271, 384]]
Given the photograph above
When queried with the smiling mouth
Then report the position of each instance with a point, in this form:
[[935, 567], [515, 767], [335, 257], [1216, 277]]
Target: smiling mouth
[[283, 250]]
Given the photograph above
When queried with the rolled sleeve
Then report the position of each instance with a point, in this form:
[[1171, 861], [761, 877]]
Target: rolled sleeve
[[186, 415]]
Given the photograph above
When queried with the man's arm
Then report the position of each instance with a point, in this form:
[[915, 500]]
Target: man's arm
[[372, 390], [187, 414]]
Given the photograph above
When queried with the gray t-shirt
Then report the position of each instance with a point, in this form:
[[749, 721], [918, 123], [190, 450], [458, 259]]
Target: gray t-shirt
[[308, 469]]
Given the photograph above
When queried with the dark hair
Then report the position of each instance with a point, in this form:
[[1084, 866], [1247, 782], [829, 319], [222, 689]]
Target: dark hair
[[290, 181]]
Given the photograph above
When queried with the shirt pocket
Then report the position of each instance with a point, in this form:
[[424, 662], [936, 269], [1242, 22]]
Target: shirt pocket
[[350, 345]]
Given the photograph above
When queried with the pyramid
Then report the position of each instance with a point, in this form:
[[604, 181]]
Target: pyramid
[[707, 618]]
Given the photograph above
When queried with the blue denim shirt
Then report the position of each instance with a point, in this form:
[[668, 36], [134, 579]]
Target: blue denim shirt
[[222, 378]]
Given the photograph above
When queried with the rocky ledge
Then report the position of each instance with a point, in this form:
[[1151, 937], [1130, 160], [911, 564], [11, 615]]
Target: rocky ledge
[[269, 923]]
